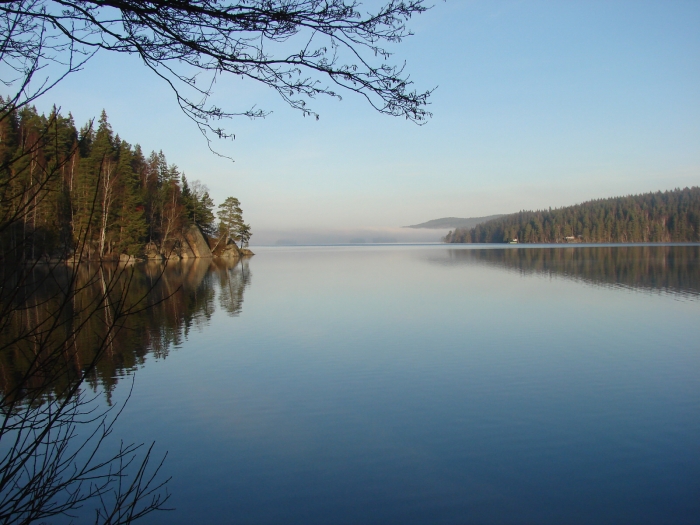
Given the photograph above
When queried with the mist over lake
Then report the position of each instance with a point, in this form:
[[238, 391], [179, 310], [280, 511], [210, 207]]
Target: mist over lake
[[426, 384]]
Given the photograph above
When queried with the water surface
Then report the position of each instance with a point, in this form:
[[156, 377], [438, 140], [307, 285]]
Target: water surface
[[429, 384]]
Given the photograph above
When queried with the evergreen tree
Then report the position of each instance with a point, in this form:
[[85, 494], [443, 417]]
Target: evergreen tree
[[130, 222], [62, 187], [671, 216], [199, 205], [230, 219], [244, 234]]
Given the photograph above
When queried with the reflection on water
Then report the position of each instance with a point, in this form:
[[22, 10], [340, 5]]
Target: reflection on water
[[434, 384], [170, 299], [184, 295], [672, 269], [413, 385]]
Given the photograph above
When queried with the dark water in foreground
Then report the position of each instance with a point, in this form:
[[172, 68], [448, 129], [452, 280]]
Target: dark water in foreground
[[430, 384]]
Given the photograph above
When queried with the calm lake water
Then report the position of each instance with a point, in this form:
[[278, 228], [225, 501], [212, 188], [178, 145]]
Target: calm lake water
[[427, 384]]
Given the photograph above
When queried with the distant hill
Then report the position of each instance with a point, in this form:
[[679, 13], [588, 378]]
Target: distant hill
[[670, 216], [453, 222]]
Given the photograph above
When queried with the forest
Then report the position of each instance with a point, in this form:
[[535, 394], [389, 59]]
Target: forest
[[62, 187], [670, 216], [74, 204]]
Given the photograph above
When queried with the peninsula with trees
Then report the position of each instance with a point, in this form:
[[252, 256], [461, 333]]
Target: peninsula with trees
[[91, 188], [670, 216], [84, 195]]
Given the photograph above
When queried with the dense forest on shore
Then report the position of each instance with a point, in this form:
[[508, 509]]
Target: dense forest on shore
[[670, 216], [61, 187]]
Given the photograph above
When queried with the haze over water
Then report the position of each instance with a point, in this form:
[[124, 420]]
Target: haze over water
[[432, 384]]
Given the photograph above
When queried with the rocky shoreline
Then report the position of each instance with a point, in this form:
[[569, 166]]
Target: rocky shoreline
[[193, 245], [190, 244]]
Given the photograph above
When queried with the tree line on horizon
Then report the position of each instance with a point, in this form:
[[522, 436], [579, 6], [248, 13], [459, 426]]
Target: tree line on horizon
[[670, 216], [90, 187]]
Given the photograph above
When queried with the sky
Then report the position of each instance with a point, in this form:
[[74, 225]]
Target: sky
[[538, 104]]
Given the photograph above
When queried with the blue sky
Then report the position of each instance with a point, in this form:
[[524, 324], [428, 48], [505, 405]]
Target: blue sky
[[539, 104]]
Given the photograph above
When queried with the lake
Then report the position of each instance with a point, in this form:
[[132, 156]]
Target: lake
[[423, 384]]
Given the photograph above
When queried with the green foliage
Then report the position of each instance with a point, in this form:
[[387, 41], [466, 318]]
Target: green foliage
[[244, 234], [231, 224], [60, 185], [198, 204], [671, 216], [230, 218]]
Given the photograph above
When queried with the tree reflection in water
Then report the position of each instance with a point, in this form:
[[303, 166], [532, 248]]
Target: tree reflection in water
[[232, 283], [670, 268], [179, 296]]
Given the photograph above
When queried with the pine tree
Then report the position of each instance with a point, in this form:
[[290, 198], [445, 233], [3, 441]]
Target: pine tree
[[60, 186], [199, 205], [657, 217], [230, 219]]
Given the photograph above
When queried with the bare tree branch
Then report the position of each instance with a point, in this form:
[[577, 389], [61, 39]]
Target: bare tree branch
[[299, 48], [53, 435]]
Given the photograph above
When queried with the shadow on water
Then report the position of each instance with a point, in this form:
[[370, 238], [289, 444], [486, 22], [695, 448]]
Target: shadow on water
[[669, 269], [178, 297]]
